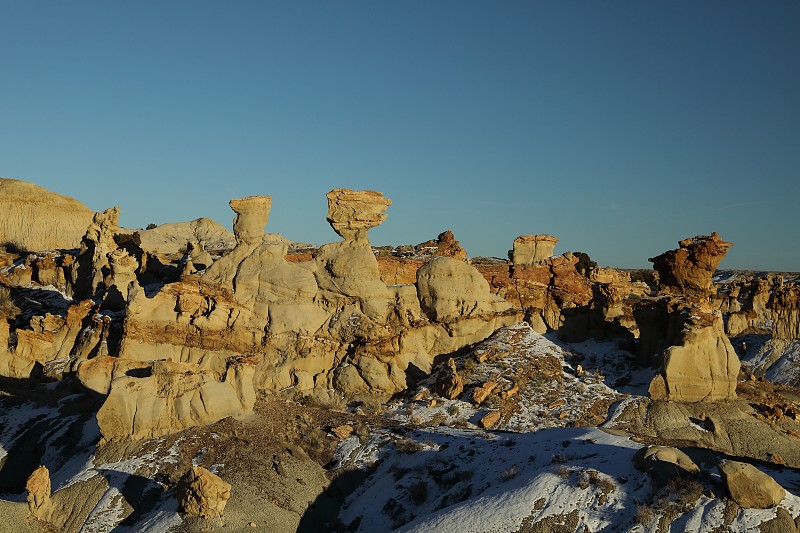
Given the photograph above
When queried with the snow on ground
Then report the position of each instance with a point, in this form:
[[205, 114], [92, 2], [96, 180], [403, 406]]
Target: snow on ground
[[552, 392], [68, 444], [460, 481]]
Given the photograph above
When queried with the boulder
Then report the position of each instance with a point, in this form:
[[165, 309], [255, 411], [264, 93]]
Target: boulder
[[700, 365], [36, 219], [750, 487], [40, 504], [352, 213], [664, 463], [202, 493], [689, 268], [450, 289], [530, 249], [448, 383], [252, 215]]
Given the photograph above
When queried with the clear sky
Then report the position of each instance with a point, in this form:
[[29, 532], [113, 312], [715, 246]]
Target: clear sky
[[619, 127]]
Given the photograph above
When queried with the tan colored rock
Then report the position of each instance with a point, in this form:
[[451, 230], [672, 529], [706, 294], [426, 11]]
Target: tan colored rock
[[352, 213], [688, 269], [343, 431], [40, 504], [172, 237], [252, 215], [37, 219], [173, 397], [701, 365], [449, 289], [750, 487], [664, 463], [91, 278], [350, 269], [490, 420], [202, 493], [479, 394], [448, 383], [530, 249]]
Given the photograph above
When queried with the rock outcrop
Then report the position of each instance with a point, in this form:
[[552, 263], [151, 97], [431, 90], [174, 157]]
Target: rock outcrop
[[166, 397], [451, 290], [699, 362], [530, 249], [750, 487], [34, 218], [202, 493], [171, 238], [688, 269], [327, 322]]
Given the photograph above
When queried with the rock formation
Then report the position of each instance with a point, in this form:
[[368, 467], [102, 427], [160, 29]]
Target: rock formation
[[451, 290], [530, 249], [34, 218], [688, 269], [37, 486], [444, 245], [202, 493], [352, 213], [750, 487], [166, 397], [328, 322], [664, 463], [172, 237], [699, 362]]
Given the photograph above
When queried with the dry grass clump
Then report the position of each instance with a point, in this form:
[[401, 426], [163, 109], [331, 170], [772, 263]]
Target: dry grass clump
[[7, 305]]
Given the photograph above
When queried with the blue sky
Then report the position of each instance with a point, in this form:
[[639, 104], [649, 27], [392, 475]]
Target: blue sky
[[619, 127]]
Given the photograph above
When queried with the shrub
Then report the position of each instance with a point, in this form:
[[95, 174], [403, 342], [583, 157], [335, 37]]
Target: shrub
[[418, 492]]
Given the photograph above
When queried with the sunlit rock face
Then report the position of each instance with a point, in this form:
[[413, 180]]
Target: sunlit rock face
[[33, 218], [530, 249], [327, 322], [688, 269]]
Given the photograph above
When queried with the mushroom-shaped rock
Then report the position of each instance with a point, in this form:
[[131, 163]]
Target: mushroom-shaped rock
[[38, 488], [450, 289], [530, 249], [202, 493], [252, 214], [352, 213], [689, 268], [750, 487]]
